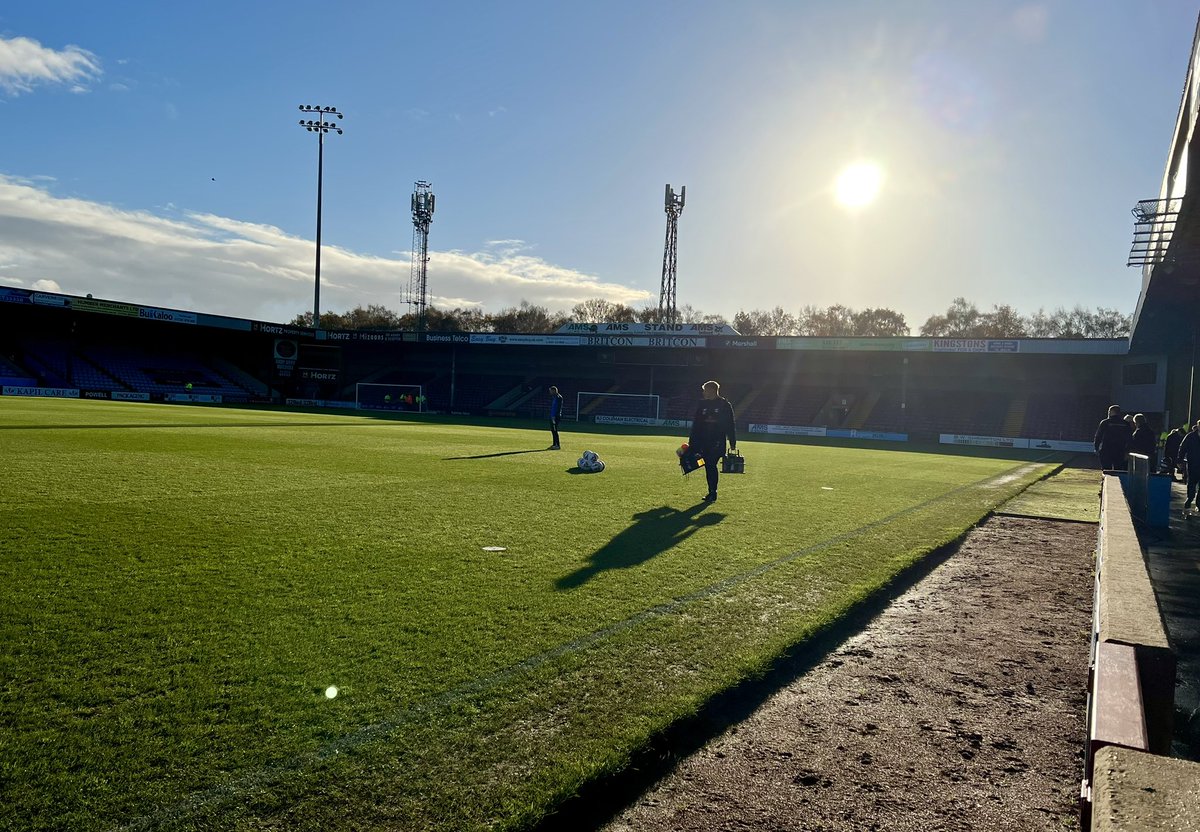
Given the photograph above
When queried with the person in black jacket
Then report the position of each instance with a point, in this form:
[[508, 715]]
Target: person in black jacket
[[1144, 441], [1189, 452], [556, 408], [1112, 440], [711, 425], [1171, 449]]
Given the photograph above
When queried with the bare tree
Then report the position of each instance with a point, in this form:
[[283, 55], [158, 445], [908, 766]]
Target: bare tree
[[879, 322], [527, 318], [601, 311], [837, 321]]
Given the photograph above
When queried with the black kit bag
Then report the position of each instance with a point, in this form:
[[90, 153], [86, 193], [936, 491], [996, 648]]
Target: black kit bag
[[733, 463]]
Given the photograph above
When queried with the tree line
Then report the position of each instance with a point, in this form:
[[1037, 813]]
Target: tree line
[[961, 320]]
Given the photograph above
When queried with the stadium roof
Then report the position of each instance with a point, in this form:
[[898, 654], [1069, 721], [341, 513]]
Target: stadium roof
[[1167, 239]]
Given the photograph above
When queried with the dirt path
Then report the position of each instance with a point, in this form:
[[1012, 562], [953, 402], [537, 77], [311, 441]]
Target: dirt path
[[960, 707]]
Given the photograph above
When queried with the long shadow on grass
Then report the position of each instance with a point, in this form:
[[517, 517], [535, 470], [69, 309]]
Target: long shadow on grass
[[598, 801], [500, 453], [653, 532]]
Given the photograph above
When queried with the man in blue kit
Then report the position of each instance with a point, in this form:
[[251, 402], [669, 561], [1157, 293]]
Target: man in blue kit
[[711, 425], [556, 406]]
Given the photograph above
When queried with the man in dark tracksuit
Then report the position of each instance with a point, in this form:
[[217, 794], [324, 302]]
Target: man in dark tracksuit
[[556, 406], [1112, 440], [712, 423], [1189, 452]]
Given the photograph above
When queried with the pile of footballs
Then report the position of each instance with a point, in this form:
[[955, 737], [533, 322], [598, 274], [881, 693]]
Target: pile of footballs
[[591, 462]]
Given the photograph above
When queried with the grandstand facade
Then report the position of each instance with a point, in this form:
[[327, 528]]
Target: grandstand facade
[[985, 391]]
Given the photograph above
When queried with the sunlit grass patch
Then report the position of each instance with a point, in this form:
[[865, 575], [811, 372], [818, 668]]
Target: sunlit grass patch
[[182, 587]]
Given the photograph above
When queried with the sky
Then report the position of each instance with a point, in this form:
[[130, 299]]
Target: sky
[[152, 153]]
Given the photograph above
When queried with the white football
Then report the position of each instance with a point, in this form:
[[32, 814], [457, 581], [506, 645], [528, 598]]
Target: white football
[[590, 456], [598, 466]]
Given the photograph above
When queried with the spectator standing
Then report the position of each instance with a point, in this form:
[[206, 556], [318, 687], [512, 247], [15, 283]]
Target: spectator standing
[[1144, 441], [1112, 440], [711, 425], [556, 406], [1171, 449], [1189, 452]]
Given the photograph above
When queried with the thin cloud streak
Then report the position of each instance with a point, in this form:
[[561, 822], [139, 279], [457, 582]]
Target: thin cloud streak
[[24, 63], [220, 265]]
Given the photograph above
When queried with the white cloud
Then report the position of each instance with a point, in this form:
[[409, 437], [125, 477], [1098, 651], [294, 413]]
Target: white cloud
[[46, 286], [221, 265], [24, 63]]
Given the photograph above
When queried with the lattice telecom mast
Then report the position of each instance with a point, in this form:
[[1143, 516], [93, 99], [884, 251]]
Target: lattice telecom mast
[[422, 215], [666, 297]]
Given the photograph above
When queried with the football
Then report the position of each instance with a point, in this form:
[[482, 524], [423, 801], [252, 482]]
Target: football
[[591, 462]]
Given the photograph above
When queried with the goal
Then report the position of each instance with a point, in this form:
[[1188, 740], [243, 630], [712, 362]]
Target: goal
[[636, 408], [410, 397]]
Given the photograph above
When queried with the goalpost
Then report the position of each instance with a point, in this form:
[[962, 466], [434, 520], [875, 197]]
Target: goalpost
[[639, 407], [369, 396]]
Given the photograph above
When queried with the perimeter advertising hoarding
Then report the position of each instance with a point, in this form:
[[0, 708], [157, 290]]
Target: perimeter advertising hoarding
[[527, 340], [197, 398], [857, 344], [372, 335], [104, 307], [983, 441], [644, 421], [42, 392], [14, 296], [646, 329], [788, 430], [740, 343], [1016, 442], [686, 341]]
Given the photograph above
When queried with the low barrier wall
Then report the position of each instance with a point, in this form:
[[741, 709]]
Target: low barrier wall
[[1131, 678]]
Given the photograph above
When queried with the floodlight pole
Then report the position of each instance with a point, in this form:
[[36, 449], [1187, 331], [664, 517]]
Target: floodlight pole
[[667, 313], [320, 127]]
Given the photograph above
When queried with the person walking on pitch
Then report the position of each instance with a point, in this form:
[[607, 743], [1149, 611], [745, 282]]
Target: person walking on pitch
[[711, 425]]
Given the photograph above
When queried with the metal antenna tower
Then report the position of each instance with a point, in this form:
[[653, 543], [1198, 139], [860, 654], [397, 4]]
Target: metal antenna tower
[[422, 216], [667, 312]]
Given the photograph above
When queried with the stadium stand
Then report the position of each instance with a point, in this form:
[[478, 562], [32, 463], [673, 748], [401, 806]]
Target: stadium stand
[[1055, 394]]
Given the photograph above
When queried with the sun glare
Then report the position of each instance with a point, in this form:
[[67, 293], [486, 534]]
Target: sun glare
[[858, 184]]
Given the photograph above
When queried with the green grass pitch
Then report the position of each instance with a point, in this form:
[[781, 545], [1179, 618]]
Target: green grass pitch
[[182, 588]]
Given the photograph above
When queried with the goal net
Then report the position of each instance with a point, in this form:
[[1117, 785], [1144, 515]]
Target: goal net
[[632, 408], [410, 397]]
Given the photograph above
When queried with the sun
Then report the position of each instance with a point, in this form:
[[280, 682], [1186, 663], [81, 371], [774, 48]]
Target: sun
[[858, 184]]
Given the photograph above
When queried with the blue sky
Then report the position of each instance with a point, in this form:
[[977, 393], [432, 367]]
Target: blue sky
[[151, 151]]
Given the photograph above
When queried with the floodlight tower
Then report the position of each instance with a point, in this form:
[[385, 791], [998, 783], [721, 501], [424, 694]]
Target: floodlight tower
[[320, 127], [422, 216], [673, 204]]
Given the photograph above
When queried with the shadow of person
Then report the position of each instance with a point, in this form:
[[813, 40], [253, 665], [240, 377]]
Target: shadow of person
[[498, 453], [653, 532]]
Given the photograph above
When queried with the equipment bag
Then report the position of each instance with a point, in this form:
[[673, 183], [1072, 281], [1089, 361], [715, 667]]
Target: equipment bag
[[733, 463], [690, 461]]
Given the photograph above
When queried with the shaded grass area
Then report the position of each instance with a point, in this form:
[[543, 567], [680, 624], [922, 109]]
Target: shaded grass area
[[1070, 494], [181, 586]]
